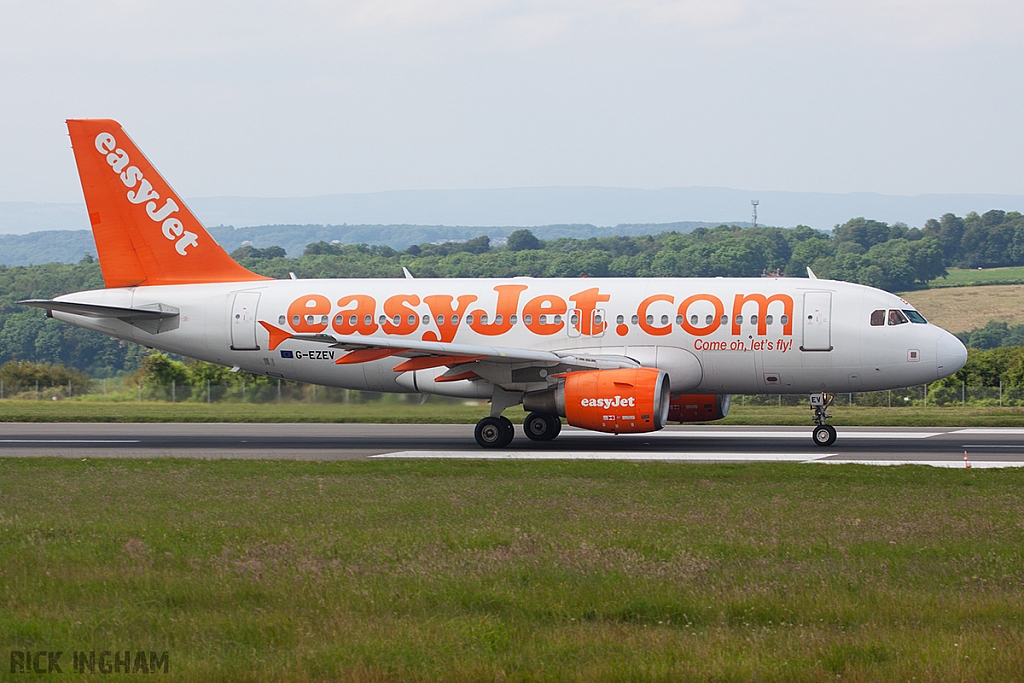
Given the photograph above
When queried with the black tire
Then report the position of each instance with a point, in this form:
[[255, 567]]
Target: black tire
[[824, 435], [510, 430], [541, 426], [493, 432]]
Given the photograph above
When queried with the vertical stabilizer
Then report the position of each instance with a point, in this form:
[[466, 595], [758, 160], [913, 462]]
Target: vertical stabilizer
[[145, 235]]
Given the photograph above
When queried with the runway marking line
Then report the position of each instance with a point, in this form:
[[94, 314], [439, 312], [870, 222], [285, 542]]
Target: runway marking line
[[947, 464], [721, 434], [637, 456], [594, 455], [69, 441], [991, 430]]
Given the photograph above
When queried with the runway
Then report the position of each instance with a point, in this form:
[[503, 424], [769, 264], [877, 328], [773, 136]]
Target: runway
[[937, 446]]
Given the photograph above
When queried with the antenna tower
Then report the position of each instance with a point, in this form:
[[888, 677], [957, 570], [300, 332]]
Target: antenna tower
[[754, 203]]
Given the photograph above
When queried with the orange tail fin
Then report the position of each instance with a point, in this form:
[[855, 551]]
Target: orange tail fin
[[145, 235]]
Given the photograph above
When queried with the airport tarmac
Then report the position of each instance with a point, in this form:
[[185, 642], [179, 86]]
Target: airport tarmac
[[937, 446]]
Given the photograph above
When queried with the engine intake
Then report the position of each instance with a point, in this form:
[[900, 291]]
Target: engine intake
[[698, 407], [622, 401]]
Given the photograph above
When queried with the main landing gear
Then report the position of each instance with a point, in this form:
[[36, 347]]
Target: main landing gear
[[494, 432], [542, 426], [823, 434]]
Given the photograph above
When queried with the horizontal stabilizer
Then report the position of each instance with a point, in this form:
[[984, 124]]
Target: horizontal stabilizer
[[153, 318]]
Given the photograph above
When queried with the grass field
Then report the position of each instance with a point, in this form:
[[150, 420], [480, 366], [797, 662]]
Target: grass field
[[962, 277], [961, 309], [434, 413], [511, 571]]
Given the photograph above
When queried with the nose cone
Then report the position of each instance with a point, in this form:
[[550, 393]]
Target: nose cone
[[950, 354]]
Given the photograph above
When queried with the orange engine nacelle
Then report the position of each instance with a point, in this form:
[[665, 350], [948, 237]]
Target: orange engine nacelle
[[622, 401], [698, 407]]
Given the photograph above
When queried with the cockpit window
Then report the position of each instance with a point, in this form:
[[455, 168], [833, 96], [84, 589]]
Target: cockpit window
[[914, 316], [878, 317], [896, 317]]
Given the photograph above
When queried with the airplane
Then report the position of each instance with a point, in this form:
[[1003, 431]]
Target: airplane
[[614, 355]]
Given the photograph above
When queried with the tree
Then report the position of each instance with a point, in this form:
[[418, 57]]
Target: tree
[[522, 240]]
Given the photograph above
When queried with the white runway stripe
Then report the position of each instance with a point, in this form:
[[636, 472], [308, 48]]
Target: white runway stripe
[[948, 464], [635, 456], [991, 430], [598, 455], [69, 441], [724, 434]]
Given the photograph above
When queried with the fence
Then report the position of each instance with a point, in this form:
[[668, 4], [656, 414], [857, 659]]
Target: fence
[[243, 391], [281, 391]]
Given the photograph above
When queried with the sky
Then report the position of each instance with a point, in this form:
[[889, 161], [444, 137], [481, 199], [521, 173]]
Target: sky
[[312, 97]]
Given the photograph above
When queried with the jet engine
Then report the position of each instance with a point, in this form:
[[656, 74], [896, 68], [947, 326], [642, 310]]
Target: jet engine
[[622, 401], [698, 407]]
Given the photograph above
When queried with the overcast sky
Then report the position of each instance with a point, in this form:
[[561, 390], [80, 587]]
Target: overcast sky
[[275, 99]]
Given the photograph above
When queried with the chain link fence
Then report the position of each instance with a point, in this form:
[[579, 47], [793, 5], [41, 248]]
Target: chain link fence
[[939, 395]]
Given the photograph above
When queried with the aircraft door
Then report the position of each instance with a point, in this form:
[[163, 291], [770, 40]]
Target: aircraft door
[[243, 321], [817, 321], [578, 324]]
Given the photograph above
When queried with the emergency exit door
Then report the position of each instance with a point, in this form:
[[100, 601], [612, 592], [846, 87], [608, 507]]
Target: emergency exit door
[[243, 321], [817, 321]]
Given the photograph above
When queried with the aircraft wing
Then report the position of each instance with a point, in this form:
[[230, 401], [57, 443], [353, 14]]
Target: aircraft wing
[[422, 355]]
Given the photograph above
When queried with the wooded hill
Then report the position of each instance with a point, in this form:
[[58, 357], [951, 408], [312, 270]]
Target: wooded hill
[[892, 257]]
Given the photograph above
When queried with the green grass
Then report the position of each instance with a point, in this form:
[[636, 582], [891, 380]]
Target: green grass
[[518, 571], [436, 413], [961, 277]]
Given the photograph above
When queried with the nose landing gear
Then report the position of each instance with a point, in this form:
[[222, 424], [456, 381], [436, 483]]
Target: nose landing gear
[[823, 434]]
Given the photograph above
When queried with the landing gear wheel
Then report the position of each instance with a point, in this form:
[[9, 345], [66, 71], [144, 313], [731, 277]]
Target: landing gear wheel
[[824, 435], [494, 432], [510, 429], [542, 426]]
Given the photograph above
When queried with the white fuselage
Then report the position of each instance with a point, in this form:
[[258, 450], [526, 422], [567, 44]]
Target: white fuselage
[[749, 335]]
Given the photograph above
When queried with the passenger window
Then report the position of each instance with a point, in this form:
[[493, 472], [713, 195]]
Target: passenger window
[[878, 318], [619, 320], [739, 319], [915, 317], [768, 320], [896, 317], [635, 320], [724, 320]]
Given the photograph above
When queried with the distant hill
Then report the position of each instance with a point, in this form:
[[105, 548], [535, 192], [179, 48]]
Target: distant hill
[[48, 246], [541, 206], [68, 246]]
